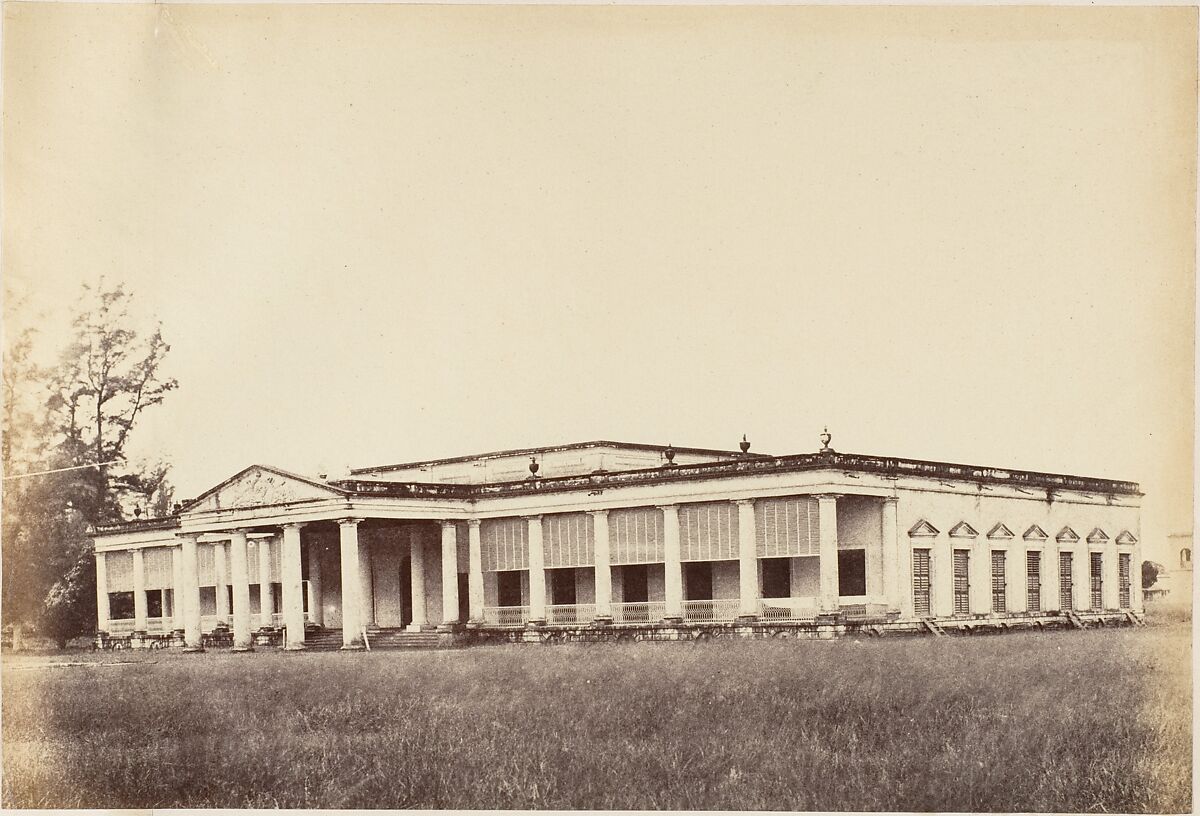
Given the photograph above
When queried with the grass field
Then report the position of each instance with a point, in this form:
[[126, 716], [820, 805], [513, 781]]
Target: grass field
[[1056, 721]]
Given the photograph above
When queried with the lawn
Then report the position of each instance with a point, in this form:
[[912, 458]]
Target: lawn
[[1055, 721]]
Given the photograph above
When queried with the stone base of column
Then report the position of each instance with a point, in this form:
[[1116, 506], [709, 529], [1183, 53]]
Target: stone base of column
[[295, 647], [353, 647], [419, 627], [535, 622], [193, 649], [672, 620], [602, 620], [449, 627], [242, 649], [476, 623], [746, 620]]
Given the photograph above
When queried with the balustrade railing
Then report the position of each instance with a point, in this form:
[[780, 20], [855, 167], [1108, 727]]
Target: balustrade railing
[[787, 609], [121, 626], [725, 609], [639, 612], [506, 615], [570, 613]]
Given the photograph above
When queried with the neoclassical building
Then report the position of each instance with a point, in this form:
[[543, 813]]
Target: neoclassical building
[[603, 540]]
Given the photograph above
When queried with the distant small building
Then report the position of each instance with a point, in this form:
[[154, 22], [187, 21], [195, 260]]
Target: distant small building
[[1174, 584], [600, 540]]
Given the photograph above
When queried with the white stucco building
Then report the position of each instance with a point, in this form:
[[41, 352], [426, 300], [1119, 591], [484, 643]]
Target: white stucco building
[[604, 540]]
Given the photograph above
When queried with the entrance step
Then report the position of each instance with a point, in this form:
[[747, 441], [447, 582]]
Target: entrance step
[[934, 627], [1075, 620], [330, 640]]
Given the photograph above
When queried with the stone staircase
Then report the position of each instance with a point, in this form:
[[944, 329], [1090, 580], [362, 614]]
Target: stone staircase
[[330, 640]]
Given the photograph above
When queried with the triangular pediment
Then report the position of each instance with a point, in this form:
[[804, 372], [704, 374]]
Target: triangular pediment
[[1126, 537], [1067, 534], [261, 485], [963, 530], [1097, 536], [1000, 531], [1034, 533], [923, 529]]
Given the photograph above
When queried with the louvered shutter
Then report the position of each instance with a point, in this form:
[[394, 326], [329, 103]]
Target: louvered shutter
[[157, 563], [119, 566]]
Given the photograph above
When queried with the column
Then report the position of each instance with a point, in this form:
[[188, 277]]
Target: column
[[102, 610], [672, 564], [1050, 578], [1112, 576], [1136, 596], [352, 624], [449, 575], [941, 575], [315, 612], [1015, 576], [222, 581], [417, 568], [537, 572], [190, 600], [602, 572], [177, 590], [241, 591], [893, 573], [293, 606], [748, 593], [266, 602], [366, 585], [475, 571], [827, 515], [139, 592], [1081, 564]]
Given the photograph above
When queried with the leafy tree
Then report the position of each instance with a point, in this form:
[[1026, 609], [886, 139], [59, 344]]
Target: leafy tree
[[105, 377], [1150, 572]]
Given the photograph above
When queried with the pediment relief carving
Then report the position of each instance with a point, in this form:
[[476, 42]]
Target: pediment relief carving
[[923, 529], [1126, 537], [259, 485], [1067, 534], [963, 530], [1097, 536], [1035, 533]]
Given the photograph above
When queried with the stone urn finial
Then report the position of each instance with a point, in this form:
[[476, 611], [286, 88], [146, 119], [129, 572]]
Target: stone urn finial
[[825, 439], [534, 467], [137, 512], [744, 444], [670, 454]]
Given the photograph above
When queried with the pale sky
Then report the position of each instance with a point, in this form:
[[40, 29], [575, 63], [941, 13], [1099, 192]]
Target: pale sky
[[378, 234]]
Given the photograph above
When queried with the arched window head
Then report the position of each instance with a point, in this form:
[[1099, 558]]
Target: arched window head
[[1185, 557]]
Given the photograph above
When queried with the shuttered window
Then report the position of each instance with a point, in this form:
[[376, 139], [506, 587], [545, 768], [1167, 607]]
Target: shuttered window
[[635, 536], [962, 585], [206, 564], [505, 544], [1096, 565], [1066, 581], [119, 567], [159, 572], [567, 540], [921, 583], [787, 527], [708, 532], [999, 584], [1123, 566], [1033, 581], [272, 551]]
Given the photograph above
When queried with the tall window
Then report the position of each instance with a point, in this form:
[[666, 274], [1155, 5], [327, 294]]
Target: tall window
[[1033, 581], [852, 572], [1066, 581], [562, 585], [120, 606], [999, 584], [635, 583], [962, 585], [922, 603], [508, 587], [1097, 576], [1123, 562], [698, 580]]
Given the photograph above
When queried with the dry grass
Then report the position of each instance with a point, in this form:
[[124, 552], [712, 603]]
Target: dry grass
[[1070, 721]]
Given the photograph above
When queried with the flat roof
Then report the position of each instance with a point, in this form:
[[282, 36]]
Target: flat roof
[[600, 443]]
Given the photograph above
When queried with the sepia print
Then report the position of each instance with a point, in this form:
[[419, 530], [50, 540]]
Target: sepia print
[[598, 407]]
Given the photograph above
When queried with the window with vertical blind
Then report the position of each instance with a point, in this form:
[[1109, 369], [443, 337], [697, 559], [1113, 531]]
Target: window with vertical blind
[[635, 536], [708, 532], [787, 526], [922, 604], [567, 540], [1066, 581], [1033, 581], [1096, 565], [206, 565], [157, 564], [119, 566], [999, 582], [1123, 562], [505, 544]]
